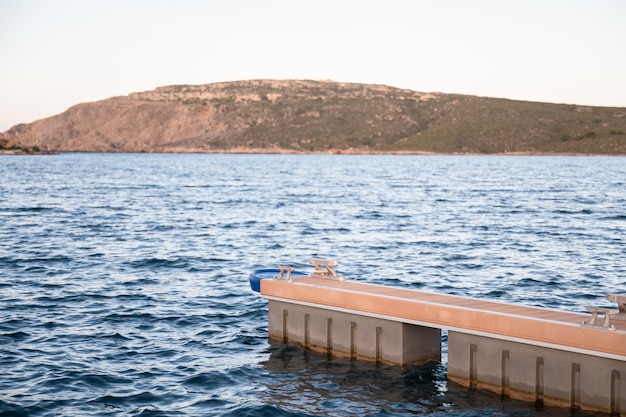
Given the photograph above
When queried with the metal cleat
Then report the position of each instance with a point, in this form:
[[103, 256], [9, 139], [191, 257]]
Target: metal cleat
[[325, 269], [620, 299], [283, 269], [606, 314]]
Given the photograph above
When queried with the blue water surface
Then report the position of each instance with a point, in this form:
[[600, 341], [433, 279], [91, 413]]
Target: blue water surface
[[123, 277]]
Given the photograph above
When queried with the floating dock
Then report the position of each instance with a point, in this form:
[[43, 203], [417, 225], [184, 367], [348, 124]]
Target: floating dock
[[532, 354]]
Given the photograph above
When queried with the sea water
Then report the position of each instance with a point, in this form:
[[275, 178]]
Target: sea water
[[123, 277]]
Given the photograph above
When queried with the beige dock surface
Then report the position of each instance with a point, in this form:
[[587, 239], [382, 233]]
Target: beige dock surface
[[529, 324]]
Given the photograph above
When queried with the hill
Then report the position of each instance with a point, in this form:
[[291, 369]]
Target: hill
[[321, 116]]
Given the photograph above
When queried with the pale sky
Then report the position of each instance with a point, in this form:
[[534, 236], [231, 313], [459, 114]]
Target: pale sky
[[57, 53]]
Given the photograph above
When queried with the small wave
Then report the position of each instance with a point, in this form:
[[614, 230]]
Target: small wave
[[248, 340], [11, 325], [35, 209], [209, 333], [8, 409], [116, 336], [212, 379], [183, 321], [6, 261], [210, 403], [309, 231], [102, 381], [216, 259], [140, 281], [529, 282], [584, 211], [495, 294], [46, 300], [123, 318], [373, 215], [18, 336], [158, 263], [133, 400], [619, 217], [260, 411]]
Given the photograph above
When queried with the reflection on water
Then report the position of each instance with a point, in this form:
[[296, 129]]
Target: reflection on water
[[304, 382], [311, 383]]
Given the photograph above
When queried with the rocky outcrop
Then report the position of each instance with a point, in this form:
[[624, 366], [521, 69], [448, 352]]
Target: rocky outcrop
[[319, 116]]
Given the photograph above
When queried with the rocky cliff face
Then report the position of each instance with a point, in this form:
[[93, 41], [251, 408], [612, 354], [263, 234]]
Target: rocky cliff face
[[319, 116]]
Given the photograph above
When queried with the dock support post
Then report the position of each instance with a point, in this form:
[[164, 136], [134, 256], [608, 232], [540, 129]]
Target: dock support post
[[616, 393], [353, 335]]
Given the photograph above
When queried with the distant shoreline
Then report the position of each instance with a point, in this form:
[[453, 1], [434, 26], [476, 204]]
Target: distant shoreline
[[333, 152]]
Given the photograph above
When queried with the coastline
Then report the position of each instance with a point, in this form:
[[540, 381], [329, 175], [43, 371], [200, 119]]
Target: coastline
[[329, 152]]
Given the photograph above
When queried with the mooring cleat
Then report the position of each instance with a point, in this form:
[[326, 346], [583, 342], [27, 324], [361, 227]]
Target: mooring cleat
[[620, 299], [325, 268], [601, 317], [285, 269], [598, 313]]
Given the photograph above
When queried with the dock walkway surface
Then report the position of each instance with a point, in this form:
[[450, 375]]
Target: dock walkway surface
[[531, 325]]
